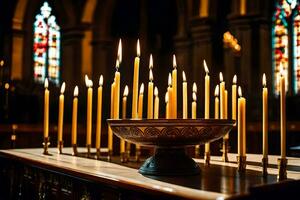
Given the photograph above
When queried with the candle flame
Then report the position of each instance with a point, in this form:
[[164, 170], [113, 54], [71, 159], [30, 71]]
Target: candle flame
[[151, 62], [234, 80], [76, 91], [167, 97], [205, 67], [240, 91], [1, 63], [194, 87], [174, 61], [86, 79], [126, 91], [264, 80], [120, 51], [63, 87], [138, 48], [221, 77], [90, 83], [183, 76], [46, 83], [6, 86], [142, 88], [217, 91], [194, 96], [117, 64], [150, 75], [101, 80], [170, 80], [155, 91]]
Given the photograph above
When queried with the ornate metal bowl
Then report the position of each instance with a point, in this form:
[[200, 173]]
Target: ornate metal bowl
[[170, 137]]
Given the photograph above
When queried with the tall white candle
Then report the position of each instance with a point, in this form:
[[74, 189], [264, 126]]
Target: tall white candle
[[89, 84], [265, 116], [156, 104], [184, 97], [174, 86], [150, 96], [222, 97], [99, 113], [46, 109], [61, 112], [241, 124], [233, 97], [206, 99], [282, 114], [136, 82], [74, 116]]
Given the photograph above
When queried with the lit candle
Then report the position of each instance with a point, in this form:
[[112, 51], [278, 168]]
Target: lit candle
[[241, 124], [150, 92], [174, 86], [282, 114], [170, 98], [141, 97], [226, 110], [217, 106], [184, 97], [233, 97], [156, 104], [167, 105], [124, 105], [265, 116], [46, 110], [89, 84], [222, 97], [117, 92], [99, 113], [61, 112], [206, 99], [140, 109], [110, 134], [74, 116], [194, 106], [136, 82]]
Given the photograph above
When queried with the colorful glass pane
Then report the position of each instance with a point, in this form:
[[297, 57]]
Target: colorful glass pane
[[296, 50], [280, 43], [46, 46]]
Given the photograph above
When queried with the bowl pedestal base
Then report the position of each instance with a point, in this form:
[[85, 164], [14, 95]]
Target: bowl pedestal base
[[170, 162]]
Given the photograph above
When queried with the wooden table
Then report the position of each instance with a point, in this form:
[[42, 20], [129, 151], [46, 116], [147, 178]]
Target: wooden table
[[30, 174]]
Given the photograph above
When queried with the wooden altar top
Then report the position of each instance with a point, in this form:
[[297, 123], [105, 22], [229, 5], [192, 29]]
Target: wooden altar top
[[219, 180]]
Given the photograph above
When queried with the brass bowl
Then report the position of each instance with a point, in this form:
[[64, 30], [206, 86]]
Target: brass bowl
[[170, 132], [170, 137]]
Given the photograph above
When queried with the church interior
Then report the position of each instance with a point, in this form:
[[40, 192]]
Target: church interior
[[54, 53]]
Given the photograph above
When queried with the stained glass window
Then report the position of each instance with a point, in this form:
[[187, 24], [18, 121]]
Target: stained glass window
[[286, 26], [296, 49], [46, 46], [281, 42]]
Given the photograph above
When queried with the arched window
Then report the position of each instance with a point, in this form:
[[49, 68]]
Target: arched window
[[286, 59], [46, 46]]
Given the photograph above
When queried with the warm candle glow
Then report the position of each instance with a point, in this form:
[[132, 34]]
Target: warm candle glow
[[240, 91], [142, 88], [76, 91], [120, 51], [217, 91], [150, 75], [151, 62], [167, 98], [126, 91], [46, 83], [63, 87], [138, 48], [174, 61], [183, 76], [205, 67], [194, 96], [101, 81], [86, 79], [170, 80], [155, 92], [117, 64], [234, 80], [194, 87], [264, 80], [221, 77]]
